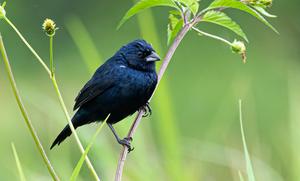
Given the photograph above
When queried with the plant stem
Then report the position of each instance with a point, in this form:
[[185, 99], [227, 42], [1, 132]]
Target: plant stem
[[52, 77], [211, 36], [28, 45], [24, 112], [62, 103], [51, 56], [166, 61]]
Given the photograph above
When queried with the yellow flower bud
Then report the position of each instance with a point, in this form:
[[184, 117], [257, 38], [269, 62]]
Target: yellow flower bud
[[49, 27]]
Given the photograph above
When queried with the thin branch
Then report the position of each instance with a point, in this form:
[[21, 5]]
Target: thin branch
[[166, 61], [25, 114], [188, 26]]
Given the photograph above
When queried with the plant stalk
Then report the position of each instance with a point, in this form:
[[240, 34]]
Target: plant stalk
[[166, 61], [28, 45], [51, 56], [52, 77], [63, 106], [24, 112], [62, 103]]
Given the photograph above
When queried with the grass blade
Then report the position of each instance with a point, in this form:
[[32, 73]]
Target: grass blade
[[24, 112], [241, 176], [82, 158], [249, 167], [83, 42], [19, 166]]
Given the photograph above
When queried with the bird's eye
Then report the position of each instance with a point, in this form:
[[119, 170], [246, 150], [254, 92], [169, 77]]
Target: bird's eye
[[140, 54]]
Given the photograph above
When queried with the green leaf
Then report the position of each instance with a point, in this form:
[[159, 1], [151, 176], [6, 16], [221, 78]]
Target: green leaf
[[174, 27], [144, 4], [222, 19], [264, 12], [77, 169], [19, 166], [249, 167], [241, 6], [193, 5]]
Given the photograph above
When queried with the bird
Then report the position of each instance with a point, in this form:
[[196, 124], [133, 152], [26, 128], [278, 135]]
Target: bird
[[118, 88]]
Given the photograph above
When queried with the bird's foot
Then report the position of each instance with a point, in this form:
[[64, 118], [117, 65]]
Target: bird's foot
[[127, 142], [147, 110]]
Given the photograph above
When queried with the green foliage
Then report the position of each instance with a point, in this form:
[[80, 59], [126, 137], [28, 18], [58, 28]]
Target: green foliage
[[174, 26], [222, 19], [264, 12], [192, 5], [82, 158], [144, 4], [19, 166], [241, 6]]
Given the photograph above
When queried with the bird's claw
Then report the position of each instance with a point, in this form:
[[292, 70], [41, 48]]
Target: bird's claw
[[127, 142], [147, 110]]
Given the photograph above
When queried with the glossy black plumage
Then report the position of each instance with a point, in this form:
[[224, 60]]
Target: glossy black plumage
[[120, 86]]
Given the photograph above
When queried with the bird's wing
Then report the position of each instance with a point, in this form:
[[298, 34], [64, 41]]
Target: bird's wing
[[100, 82]]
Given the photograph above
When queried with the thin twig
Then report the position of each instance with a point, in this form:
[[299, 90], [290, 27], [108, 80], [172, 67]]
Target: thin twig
[[166, 61], [25, 114], [188, 26]]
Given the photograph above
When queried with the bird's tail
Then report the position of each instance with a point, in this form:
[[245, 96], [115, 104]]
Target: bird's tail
[[66, 132], [62, 136]]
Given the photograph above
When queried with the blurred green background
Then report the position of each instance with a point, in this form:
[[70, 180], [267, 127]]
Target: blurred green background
[[194, 131]]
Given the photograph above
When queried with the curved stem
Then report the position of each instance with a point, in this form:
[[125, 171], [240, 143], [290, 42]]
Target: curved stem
[[52, 77], [211, 36], [28, 45], [62, 103], [25, 114], [166, 61]]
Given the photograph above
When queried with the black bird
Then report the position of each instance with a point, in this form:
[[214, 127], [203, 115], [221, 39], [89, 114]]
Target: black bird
[[119, 87]]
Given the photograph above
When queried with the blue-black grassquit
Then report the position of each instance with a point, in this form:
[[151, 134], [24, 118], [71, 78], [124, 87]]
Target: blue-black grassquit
[[119, 87]]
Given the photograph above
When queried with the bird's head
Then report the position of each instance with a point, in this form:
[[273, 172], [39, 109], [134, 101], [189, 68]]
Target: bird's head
[[140, 55]]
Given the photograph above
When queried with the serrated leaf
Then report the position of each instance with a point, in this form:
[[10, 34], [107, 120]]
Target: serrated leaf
[[222, 19], [144, 4], [174, 27], [264, 12], [241, 6], [77, 169]]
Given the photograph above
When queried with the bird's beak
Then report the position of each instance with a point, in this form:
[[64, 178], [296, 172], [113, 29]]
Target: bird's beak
[[152, 57]]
